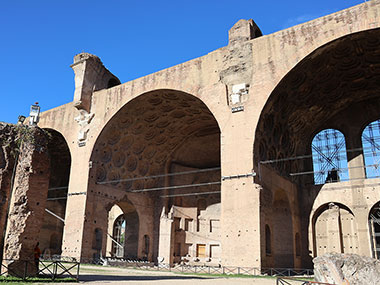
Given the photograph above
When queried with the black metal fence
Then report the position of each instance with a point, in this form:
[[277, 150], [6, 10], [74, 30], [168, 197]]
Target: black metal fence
[[49, 269], [225, 270]]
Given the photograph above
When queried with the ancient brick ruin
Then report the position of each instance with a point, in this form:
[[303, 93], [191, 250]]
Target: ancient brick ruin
[[263, 153]]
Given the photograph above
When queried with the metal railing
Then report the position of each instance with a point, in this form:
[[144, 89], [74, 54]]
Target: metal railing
[[206, 269], [293, 281], [49, 269]]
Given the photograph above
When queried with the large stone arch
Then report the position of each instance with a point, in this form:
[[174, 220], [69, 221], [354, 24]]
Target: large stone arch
[[60, 164], [158, 132], [335, 86], [315, 90]]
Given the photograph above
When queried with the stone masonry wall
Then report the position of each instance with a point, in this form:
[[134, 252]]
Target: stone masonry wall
[[27, 205], [8, 138]]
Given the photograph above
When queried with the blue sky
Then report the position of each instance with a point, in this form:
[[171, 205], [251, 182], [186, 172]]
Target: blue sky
[[39, 38]]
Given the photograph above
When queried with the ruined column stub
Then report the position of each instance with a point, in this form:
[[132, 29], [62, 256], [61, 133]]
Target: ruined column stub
[[243, 30], [27, 205], [90, 76], [8, 141]]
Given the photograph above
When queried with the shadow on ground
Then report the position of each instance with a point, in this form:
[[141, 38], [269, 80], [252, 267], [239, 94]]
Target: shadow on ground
[[91, 278]]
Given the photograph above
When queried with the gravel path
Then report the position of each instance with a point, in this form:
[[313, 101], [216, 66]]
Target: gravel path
[[111, 275]]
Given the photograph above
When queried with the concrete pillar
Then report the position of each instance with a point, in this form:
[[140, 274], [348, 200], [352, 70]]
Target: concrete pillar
[[27, 205]]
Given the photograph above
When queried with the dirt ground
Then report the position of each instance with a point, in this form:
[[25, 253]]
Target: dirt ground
[[111, 275]]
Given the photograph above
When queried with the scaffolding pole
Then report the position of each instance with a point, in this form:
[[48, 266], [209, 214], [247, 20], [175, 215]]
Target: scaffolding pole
[[175, 187], [190, 194], [55, 215], [160, 175], [117, 243]]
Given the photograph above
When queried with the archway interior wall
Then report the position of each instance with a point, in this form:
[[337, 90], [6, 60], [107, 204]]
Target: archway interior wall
[[144, 138], [196, 219], [273, 211], [357, 194], [334, 87], [287, 118], [51, 234], [275, 55]]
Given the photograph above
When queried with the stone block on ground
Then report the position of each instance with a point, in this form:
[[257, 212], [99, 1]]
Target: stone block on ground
[[353, 269]]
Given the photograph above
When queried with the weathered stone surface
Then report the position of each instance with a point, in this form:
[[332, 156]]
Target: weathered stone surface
[[90, 75], [337, 268], [27, 205], [8, 140], [243, 30]]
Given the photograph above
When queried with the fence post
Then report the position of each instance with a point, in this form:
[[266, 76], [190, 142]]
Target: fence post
[[238, 270], [223, 269], [25, 270], [78, 264], [209, 271], [55, 269]]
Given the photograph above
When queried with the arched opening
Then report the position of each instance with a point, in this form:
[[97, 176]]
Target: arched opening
[[123, 231], [161, 152], [51, 233], [374, 230], [334, 230], [119, 237], [334, 87], [371, 149], [329, 157]]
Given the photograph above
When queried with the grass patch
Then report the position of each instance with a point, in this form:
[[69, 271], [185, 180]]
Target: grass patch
[[17, 280]]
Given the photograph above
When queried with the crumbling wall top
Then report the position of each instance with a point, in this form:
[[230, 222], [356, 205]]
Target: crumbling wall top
[[85, 56], [243, 30]]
